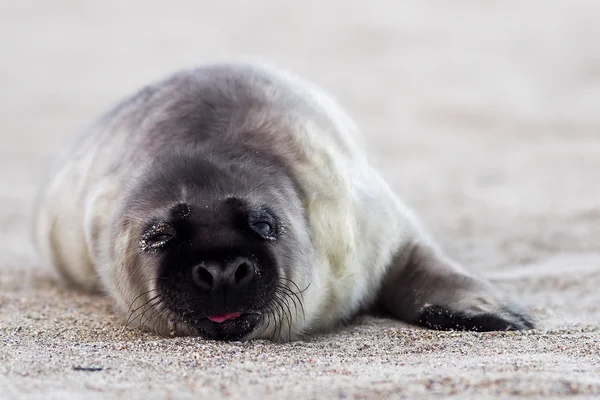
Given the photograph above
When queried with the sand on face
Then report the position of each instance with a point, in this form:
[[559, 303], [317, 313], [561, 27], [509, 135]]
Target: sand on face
[[483, 115]]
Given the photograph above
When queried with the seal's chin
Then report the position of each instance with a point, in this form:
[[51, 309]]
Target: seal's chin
[[231, 326]]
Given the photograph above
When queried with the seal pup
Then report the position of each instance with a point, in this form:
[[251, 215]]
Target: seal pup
[[234, 201]]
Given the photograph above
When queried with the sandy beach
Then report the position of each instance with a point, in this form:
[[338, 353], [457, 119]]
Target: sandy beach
[[483, 116]]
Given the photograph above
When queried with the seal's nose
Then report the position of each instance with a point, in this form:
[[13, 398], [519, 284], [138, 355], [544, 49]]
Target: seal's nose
[[235, 274]]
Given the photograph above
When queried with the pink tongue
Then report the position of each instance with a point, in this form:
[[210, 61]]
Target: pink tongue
[[222, 318]]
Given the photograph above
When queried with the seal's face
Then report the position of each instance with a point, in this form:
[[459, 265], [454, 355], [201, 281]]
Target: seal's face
[[216, 267], [216, 247]]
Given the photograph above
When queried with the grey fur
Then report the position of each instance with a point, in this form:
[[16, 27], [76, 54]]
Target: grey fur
[[273, 138]]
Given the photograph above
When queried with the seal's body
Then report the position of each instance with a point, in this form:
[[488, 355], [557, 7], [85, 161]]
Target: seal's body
[[234, 201]]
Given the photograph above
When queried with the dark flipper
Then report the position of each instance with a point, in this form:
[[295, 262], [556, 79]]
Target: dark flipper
[[442, 318], [424, 288]]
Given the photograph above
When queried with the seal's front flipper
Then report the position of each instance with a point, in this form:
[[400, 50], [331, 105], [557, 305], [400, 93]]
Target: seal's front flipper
[[424, 288], [441, 318]]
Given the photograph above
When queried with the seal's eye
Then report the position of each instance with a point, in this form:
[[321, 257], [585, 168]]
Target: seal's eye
[[262, 227], [157, 236], [264, 223], [161, 237]]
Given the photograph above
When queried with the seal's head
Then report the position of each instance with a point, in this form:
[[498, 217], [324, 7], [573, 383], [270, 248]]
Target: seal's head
[[214, 246]]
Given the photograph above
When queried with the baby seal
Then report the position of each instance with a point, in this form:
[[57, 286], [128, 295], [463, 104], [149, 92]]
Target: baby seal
[[234, 201]]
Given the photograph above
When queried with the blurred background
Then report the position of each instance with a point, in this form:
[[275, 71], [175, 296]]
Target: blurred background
[[484, 116]]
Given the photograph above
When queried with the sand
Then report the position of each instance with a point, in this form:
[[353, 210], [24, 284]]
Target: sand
[[484, 116]]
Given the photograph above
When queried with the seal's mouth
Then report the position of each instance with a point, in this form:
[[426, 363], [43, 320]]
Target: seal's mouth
[[228, 326], [224, 317]]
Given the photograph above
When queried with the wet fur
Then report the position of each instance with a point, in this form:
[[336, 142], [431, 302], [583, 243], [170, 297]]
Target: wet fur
[[356, 244]]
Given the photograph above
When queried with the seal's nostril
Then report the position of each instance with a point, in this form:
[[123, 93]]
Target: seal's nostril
[[210, 276], [242, 271], [203, 278]]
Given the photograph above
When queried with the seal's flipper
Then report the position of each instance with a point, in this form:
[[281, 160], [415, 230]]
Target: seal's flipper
[[424, 288], [441, 318]]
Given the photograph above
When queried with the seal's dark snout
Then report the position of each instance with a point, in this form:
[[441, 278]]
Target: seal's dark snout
[[233, 275]]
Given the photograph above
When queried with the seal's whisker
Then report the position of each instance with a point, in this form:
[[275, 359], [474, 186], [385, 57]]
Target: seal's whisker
[[166, 318], [138, 296], [293, 296], [276, 313], [295, 285], [283, 315], [157, 315], [143, 306], [288, 316], [265, 320], [142, 294], [285, 310], [129, 319], [154, 307]]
